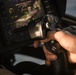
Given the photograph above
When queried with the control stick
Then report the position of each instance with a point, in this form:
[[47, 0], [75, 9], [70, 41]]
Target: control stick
[[39, 30]]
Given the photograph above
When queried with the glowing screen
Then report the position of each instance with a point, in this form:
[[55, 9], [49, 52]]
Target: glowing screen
[[21, 12]]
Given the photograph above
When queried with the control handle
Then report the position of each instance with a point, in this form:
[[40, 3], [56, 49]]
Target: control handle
[[59, 65]]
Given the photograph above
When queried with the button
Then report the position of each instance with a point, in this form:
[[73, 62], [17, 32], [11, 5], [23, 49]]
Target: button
[[48, 10], [47, 4], [46, 1], [56, 19], [11, 10]]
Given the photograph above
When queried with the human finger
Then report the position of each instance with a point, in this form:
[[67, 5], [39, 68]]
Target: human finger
[[47, 62], [71, 57], [66, 40], [49, 56], [36, 43]]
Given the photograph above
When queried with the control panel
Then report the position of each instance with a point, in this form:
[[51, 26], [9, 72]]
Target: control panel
[[17, 14]]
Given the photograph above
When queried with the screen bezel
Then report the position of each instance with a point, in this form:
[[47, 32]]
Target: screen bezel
[[61, 4], [69, 18]]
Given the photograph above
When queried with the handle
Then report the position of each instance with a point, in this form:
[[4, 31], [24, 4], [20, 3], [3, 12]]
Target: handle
[[59, 65]]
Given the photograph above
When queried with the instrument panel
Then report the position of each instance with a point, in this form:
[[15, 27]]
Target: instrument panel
[[21, 12], [17, 14]]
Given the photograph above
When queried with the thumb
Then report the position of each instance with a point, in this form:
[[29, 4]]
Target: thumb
[[66, 40]]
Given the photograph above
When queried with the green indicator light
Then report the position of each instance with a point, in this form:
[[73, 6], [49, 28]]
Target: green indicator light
[[11, 10]]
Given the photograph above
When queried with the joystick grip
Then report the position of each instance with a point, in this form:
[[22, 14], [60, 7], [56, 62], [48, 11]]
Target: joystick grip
[[59, 65], [53, 46]]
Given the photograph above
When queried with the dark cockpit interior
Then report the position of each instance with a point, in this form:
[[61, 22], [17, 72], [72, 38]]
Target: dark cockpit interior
[[24, 21]]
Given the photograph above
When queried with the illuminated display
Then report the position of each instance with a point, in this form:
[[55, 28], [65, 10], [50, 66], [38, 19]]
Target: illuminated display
[[21, 12], [71, 8]]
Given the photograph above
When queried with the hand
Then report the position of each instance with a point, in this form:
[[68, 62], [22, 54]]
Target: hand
[[66, 40]]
